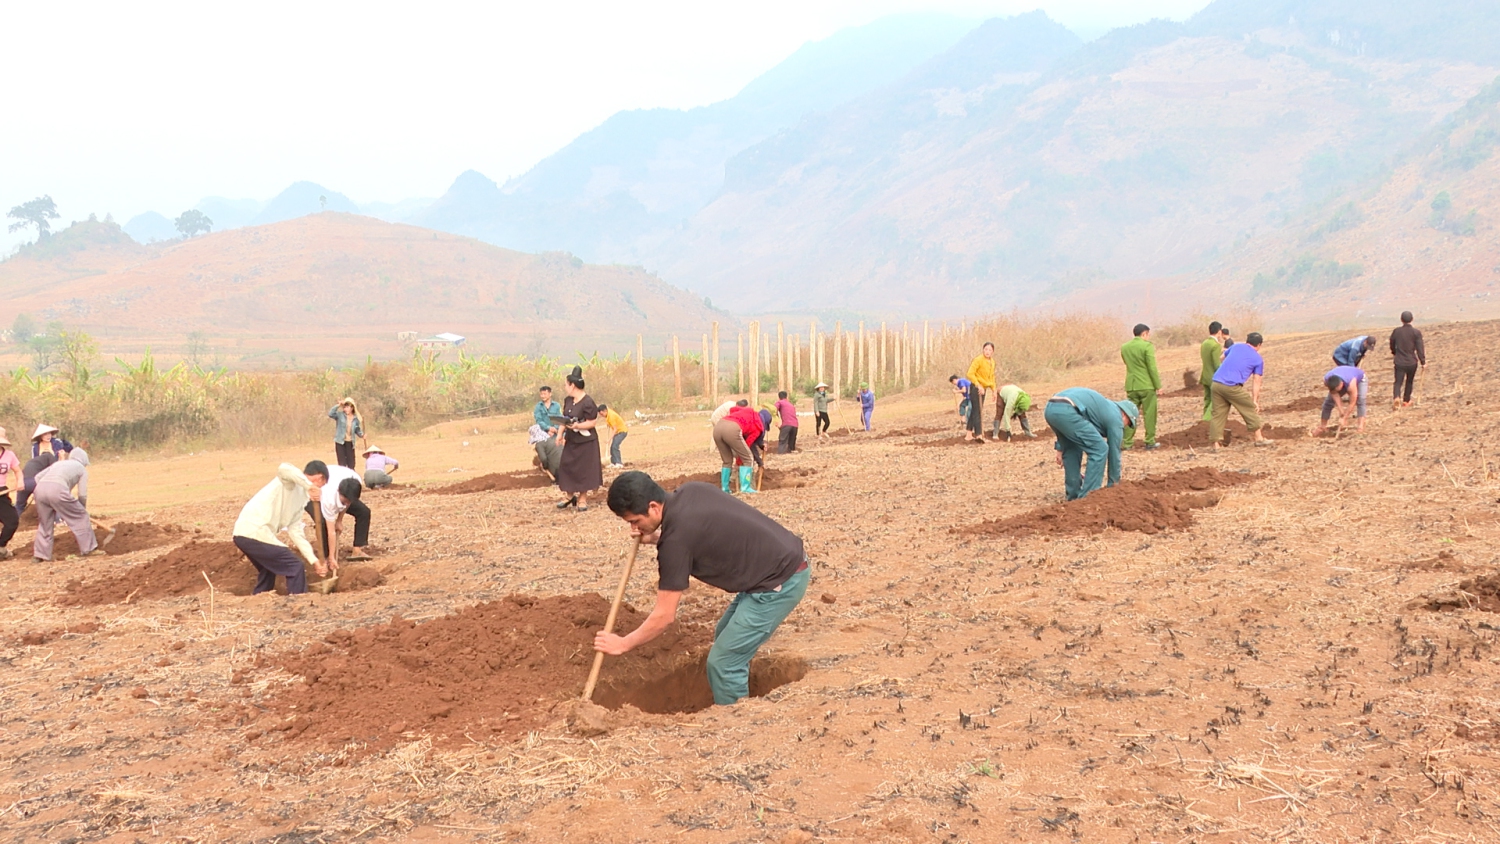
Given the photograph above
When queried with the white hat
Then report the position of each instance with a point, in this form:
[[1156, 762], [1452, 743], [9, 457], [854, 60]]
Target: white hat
[[4, 440], [374, 449], [42, 429], [821, 386]]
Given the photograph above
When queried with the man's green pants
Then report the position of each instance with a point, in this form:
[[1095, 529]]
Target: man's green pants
[[1208, 403], [750, 620], [1145, 401]]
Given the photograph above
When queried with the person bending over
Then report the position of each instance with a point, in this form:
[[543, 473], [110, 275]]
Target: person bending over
[[701, 532]]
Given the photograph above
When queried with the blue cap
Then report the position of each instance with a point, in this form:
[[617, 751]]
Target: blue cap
[[1130, 411]]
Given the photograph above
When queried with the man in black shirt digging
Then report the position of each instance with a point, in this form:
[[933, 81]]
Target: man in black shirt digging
[[703, 532]]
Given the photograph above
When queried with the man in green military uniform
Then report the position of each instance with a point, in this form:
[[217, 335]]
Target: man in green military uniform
[[1142, 380], [1212, 352]]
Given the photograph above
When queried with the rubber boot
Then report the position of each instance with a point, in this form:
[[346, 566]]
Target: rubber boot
[[1026, 426], [747, 476], [724, 479]]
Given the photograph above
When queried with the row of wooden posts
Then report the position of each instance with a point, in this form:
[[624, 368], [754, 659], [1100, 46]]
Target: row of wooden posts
[[885, 358]]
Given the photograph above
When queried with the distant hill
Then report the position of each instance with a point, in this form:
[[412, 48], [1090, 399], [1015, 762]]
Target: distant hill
[[1020, 168], [151, 227], [618, 190], [301, 199], [334, 286], [85, 248]]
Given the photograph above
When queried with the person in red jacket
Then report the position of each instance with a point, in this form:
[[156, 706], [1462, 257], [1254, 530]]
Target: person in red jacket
[[732, 435]]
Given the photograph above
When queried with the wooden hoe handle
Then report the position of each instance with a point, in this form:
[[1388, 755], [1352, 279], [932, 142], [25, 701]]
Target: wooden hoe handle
[[609, 622]]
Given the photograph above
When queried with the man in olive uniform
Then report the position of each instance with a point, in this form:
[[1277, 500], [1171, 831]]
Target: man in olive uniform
[[1142, 381], [1212, 353]]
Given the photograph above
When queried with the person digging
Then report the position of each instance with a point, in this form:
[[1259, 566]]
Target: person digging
[[1340, 397], [704, 533], [1012, 402], [336, 490], [56, 501], [1088, 424], [732, 437], [277, 508]]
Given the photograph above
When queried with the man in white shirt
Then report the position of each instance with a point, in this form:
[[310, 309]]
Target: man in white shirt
[[276, 508], [337, 489]]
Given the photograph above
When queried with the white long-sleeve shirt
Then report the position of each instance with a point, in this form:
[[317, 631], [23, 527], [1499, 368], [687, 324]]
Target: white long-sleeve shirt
[[278, 507]]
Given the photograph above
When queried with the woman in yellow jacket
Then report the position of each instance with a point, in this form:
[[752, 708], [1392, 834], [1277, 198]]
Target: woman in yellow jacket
[[618, 427], [982, 380]]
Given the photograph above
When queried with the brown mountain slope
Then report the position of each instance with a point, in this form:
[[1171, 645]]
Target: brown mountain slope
[[333, 286], [85, 248]]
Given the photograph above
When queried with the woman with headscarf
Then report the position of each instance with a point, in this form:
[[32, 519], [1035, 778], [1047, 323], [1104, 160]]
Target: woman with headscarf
[[10, 480], [348, 424], [56, 500], [580, 471]]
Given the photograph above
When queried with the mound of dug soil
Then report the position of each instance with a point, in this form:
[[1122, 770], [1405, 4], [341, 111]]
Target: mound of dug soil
[[1197, 436], [1299, 405], [129, 538], [42, 637], [773, 479], [1043, 435], [879, 434], [497, 668], [180, 572], [497, 482], [1151, 505], [1476, 593]]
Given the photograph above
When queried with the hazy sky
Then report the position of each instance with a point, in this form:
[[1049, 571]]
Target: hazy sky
[[128, 107]]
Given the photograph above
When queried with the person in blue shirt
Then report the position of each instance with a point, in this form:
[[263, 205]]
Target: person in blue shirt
[[866, 404], [1339, 380], [961, 393], [1087, 423], [1352, 351], [1237, 385], [545, 409]]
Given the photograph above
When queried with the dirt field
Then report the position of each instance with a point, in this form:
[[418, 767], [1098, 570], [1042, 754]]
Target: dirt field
[[1296, 643]]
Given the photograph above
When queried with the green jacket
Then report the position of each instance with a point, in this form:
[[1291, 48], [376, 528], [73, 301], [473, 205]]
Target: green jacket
[[1212, 354], [1140, 366]]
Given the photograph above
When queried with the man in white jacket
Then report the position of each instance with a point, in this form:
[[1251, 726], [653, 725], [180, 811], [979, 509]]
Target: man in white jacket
[[277, 507]]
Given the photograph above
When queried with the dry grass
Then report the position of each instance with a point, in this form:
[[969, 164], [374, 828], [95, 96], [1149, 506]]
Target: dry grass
[[1191, 330]]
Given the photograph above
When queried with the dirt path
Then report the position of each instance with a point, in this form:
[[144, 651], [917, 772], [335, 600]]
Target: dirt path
[[1310, 658]]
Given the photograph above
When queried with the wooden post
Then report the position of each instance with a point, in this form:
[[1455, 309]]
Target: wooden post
[[792, 350], [739, 362], [922, 362], [754, 364], [780, 356], [703, 364], [676, 368], [859, 356], [640, 365], [838, 356], [884, 370], [713, 399]]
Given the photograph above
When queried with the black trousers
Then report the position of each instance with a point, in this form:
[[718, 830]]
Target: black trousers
[[270, 560], [9, 518], [976, 414], [1406, 374], [359, 511], [345, 454], [786, 439], [823, 423]]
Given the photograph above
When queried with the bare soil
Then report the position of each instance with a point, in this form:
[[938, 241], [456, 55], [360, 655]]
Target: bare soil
[[1234, 431], [771, 479], [1310, 659], [497, 482]]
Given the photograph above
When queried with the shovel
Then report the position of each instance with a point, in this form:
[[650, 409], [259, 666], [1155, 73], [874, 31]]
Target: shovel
[[609, 623]]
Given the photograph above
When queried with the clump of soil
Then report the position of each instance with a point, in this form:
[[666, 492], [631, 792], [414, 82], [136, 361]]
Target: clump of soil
[[772, 479], [129, 538], [1476, 593], [42, 637], [1197, 436], [1190, 382], [1151, 505], [1300, 405], [496, 668], [497, 482], [178, 572], [353, 578]]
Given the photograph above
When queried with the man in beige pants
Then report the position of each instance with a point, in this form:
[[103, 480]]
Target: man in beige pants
[[1237, 384]]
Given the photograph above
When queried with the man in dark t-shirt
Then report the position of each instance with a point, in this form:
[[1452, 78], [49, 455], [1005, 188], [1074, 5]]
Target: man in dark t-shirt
[[702, 532]]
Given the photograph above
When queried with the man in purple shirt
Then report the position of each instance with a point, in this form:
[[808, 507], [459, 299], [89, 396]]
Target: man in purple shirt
[[786, 440], [1338, 381], [1237, 385]]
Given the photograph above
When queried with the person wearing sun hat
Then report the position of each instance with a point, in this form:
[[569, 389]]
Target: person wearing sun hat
[[46, 441], [820, 410], [1088, 423], [10, 479], [55, 499], [378, 467]]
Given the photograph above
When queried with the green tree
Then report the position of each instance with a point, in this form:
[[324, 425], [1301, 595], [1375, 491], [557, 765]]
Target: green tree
[[23, 329], [197, 346], [78, 352], [38, 212], [194, 222]]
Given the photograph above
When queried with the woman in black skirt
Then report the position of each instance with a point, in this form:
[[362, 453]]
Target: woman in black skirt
[[580, 472]]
